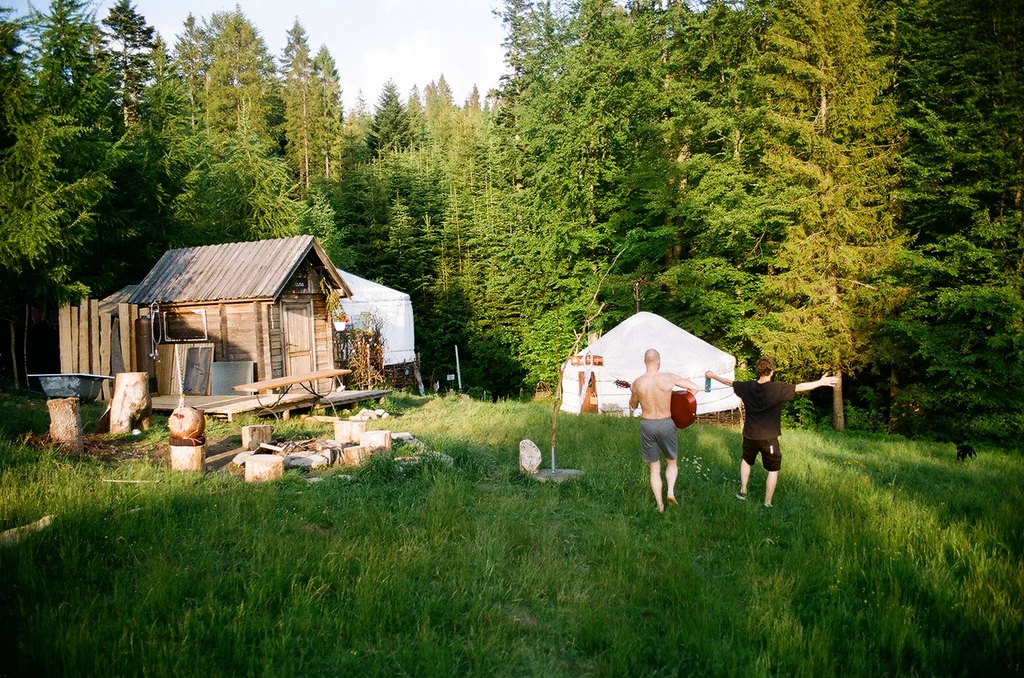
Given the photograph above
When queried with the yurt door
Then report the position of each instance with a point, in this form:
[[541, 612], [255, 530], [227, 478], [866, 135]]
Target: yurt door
[[590, 397], [298, 337]]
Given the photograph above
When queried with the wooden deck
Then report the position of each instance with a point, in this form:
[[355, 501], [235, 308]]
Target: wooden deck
[[228, 406]]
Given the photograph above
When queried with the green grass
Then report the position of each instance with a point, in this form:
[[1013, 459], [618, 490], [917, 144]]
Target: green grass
[[882, 557]]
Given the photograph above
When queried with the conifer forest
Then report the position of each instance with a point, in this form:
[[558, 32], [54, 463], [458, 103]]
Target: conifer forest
[[837, 184]]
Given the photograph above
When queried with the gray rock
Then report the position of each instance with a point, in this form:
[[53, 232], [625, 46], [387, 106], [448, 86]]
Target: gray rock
[[241, 457]]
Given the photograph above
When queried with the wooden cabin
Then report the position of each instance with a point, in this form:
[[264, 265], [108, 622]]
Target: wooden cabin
[[258, 309]]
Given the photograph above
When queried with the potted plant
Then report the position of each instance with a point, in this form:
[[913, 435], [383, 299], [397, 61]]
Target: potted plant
[[340, 320]]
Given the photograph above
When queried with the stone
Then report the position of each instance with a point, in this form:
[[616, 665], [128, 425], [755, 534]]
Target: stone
[[298, 461], [529, 457], [241, 458]]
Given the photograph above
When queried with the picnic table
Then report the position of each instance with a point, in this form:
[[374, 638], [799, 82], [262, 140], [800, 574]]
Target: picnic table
[[281, 385]]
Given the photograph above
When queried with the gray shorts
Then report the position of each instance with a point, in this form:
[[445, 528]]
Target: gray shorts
[[658, 434]]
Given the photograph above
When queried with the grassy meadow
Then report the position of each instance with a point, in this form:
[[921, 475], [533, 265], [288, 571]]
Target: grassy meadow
[[882, 556]]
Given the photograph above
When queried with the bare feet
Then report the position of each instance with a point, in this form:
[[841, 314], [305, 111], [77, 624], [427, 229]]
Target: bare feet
[[672, 501]]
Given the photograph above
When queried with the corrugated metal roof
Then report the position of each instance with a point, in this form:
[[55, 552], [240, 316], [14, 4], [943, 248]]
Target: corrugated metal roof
[[237, 270]]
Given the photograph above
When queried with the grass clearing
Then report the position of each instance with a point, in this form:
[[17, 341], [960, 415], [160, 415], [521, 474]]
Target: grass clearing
[[882, 556]]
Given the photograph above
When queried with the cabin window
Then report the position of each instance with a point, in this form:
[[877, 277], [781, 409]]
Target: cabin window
[[184, 326]]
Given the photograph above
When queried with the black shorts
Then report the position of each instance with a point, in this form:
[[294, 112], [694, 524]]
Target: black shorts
[[771, 455]]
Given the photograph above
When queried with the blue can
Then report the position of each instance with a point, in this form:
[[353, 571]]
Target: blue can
[[707, 384]]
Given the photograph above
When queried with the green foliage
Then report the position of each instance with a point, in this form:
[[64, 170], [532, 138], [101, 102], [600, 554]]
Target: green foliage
[[391, 129]]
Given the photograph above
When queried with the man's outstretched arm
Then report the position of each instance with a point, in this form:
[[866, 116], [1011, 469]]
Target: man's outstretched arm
[[722, 380], [811, 385]]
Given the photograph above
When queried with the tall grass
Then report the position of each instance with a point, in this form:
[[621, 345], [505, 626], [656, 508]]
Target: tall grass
[[881, 557]]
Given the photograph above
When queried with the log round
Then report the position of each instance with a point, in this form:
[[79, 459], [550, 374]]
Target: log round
[[188, 458], [131, 403], [186, 422], [66, 424], [260, 467]]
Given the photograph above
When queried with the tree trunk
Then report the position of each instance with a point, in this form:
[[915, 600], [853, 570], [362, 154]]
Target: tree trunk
[[838, 414], [131, 403], [66, 424], [14, 356]]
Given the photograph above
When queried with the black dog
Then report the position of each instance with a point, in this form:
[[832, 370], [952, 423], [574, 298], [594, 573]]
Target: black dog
[[964, 451]]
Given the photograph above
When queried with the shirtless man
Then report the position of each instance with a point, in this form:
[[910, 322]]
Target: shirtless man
[[653, 393]]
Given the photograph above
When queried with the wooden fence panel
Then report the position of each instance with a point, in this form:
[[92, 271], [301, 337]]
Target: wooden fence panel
[[106, 320], [87, 336], [64, 325], [94, 336], [74, 339], [83, 337]]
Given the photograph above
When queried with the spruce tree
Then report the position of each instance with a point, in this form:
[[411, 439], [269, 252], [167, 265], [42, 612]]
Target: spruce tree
[[390, 130], [130, 41], [299, 101], [327, 126]]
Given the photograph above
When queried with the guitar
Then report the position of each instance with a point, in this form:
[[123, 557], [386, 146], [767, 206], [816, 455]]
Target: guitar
[[683, 407]]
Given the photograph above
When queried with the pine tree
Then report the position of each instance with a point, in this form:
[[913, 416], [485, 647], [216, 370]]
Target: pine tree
[[130, 41]]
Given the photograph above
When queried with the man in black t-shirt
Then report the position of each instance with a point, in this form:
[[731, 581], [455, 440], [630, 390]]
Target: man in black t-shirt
[[763, 400]]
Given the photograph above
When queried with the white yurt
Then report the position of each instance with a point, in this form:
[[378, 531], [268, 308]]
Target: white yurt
[[588, 382], [393, 310]]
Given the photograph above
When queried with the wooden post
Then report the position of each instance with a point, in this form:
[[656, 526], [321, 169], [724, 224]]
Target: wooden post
[[133, 315], [253, 436], [105, 348], [94, 337], [64, 322], [83, 336], [348, 431], [75, 331], [131, 403], [66, 424], [260, 467], [124, 324], [188, 457]]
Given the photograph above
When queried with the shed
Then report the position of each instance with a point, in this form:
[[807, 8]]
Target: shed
[[260, 305]]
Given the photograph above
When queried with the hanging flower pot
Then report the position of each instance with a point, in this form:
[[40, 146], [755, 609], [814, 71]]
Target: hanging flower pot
[[340, 325]]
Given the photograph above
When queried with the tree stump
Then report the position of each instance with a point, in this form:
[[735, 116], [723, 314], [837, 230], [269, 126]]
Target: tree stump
[[188, 457], [375, 440], [131, 404], [253, 436], [348, 431], [66, 424], [354, 456], [260, 467]]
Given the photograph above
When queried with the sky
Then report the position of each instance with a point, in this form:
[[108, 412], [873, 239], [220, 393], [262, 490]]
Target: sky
[[411, 42]]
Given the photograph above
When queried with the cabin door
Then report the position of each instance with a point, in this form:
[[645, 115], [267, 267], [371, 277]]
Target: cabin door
[[298, 337]]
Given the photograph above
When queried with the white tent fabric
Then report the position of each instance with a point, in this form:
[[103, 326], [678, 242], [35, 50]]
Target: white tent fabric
[[621, 352], [392, 308]]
